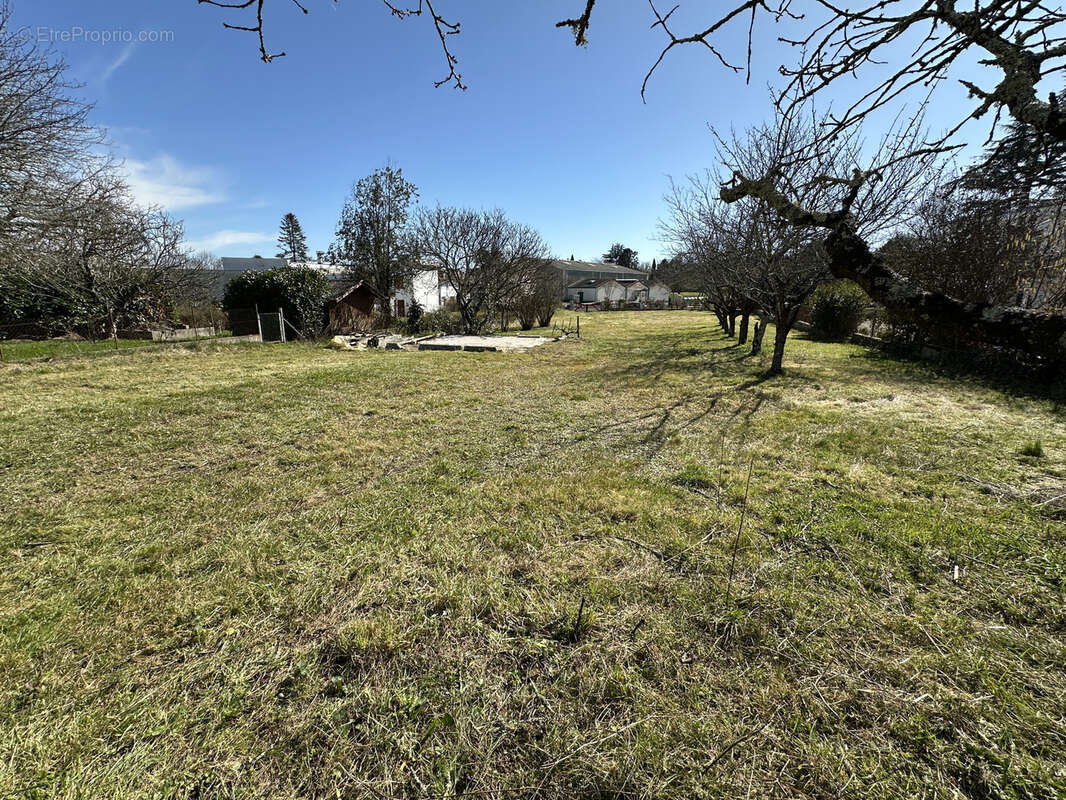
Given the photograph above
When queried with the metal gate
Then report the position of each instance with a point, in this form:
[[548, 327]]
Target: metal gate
[[273, 327], [243, 321]]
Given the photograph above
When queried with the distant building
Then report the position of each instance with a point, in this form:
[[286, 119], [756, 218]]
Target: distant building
[[659, 292], [636, 291], [594, 291], [429, 287], [218, 279], [353, 306], [574, 271], [335, 272], [255, 264], [617, 291]]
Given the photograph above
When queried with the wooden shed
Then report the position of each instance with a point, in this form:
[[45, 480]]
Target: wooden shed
[[353, 309]]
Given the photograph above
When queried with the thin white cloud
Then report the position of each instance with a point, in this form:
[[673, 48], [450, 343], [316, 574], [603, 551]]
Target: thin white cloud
[[223, 239], [115, 65], [165, 182]]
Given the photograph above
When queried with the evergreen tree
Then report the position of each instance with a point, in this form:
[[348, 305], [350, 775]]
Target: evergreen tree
[[622, 256], [1023, 165], [291, 240], [373, 240]]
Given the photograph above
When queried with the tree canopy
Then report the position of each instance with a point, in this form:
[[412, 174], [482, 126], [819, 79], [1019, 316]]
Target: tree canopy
[[292, 242]]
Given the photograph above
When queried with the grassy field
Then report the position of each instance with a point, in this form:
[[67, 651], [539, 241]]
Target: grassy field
[[280, 571], [24, 350], [32, 349]]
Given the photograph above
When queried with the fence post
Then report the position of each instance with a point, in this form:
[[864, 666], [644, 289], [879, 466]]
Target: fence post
[[281, 325], [578, 326], [259, 323]]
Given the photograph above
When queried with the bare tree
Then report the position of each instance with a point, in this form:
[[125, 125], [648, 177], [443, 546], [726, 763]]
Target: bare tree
[[749, 258], [46, 143], [977, 248], [538, 296], [922, 39], [106, 264], [483, 256], [76, 248], [852, 211]]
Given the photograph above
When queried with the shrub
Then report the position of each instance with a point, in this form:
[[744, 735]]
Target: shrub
[[300, 292], [448, 322], [415, 312], [836, 310]]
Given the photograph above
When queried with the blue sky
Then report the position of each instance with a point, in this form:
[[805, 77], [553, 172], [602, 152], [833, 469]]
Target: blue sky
[[554, 134]]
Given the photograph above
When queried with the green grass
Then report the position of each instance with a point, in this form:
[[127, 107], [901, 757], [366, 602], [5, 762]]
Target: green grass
[[23, 350], [282, 571], [1033, 449]]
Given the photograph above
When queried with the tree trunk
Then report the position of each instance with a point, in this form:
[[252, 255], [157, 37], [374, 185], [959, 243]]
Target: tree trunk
[[732, 324], [385, 309], [745, 319], [756, 340], [1023, 329], [780, 337], [1035, 332], [723, 322]]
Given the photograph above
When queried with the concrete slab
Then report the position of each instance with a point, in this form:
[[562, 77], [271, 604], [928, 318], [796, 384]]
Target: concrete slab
[[484, 344]]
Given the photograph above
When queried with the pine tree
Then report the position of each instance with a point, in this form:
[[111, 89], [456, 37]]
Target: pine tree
[[291, 240], [1023, 164], [622, 256]]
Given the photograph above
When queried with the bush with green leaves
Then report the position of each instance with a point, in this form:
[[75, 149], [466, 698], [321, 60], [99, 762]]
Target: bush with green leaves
[[300, 292], [448, 322], [837, 309]]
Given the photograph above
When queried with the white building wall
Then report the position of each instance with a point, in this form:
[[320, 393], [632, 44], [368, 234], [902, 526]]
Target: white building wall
[[430, 293], [586, 295], [659, 293], [614, 292]]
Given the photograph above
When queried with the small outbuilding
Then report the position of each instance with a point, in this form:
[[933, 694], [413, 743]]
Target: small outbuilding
[[636, 290], [593, 291], [353, 308], [659, 292]]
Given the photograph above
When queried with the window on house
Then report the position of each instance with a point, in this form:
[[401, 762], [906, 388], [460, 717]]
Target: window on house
[[400, 308]]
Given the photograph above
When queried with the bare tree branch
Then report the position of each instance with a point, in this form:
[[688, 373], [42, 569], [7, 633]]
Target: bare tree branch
[[579, 25]]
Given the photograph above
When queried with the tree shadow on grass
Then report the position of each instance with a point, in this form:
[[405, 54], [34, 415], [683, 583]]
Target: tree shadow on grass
[[994, 375]]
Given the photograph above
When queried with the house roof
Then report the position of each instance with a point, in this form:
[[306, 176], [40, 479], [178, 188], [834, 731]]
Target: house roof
[[361, 286], [253, 264], [591, 283], [331, 271], [598, 266], [630, 282]]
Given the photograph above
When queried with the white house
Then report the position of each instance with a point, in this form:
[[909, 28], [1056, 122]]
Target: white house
[[635, 291], [591, 291], [429, 288]]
